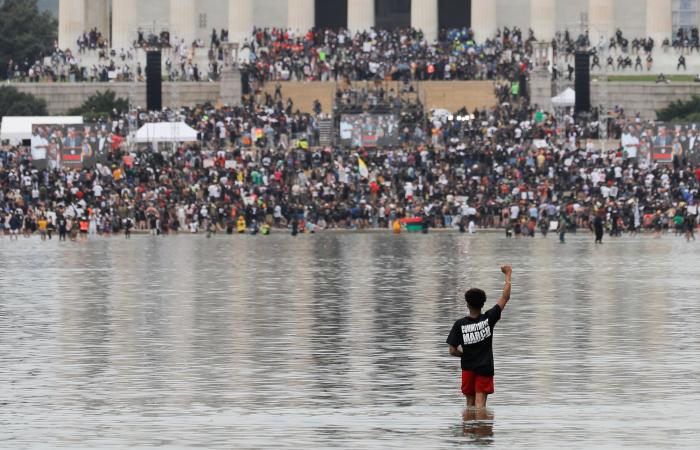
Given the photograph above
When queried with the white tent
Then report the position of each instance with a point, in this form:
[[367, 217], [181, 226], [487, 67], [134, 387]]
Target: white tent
[[17, 129], [566, 99], [166, 132]]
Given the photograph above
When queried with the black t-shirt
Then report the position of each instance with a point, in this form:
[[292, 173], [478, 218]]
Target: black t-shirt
[[476, 338]]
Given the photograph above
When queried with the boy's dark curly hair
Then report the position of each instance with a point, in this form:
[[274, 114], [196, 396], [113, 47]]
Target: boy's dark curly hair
[[475, 298]]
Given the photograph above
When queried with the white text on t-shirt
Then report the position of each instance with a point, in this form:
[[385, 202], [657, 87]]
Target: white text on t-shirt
[[476, 332]]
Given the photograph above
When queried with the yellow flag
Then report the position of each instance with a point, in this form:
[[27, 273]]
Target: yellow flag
[[364, 173]]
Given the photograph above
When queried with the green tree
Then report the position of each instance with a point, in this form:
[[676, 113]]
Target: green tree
[[15, 103], [681, 111], [26, 34], [101, 105]]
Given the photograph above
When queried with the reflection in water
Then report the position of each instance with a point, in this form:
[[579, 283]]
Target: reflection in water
[[478, 425], [338, 341]]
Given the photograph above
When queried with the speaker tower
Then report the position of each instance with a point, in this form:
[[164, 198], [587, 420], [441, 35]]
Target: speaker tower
[[154, 81], [583, 83]]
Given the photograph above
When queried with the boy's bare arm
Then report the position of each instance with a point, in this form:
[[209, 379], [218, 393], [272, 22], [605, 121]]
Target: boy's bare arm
[[507, 271], [455, 351]]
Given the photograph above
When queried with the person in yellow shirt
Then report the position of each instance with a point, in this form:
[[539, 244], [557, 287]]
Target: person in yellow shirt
[[541, 159], [241, 226], [42, 224]]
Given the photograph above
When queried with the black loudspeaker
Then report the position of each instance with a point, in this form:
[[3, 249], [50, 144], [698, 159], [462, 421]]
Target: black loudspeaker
[[245, 83], [583, 82], [154, 81]]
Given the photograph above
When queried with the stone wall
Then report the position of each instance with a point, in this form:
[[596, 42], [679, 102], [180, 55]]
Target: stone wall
[[541, 90], [61, 97], [455, 95], [450, 95], [642, 97]]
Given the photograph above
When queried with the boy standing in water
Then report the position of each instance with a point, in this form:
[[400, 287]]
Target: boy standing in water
[[474, 334]]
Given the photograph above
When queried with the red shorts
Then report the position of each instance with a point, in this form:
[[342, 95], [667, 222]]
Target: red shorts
[[473, 383]]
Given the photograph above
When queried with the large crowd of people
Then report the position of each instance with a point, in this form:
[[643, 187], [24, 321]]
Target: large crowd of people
[[619, 53], [111, 66], [119, 64], [381, 54], [272, 54], [276, 54], [259, 167]]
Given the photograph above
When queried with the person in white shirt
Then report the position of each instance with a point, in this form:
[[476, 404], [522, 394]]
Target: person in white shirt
[[408, 190], [40, 145]]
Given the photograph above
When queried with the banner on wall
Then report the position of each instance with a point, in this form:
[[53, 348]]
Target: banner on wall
[[369, 130], [72, 146], [662, 142]]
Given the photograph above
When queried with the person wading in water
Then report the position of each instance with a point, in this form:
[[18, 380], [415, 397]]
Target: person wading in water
[[474, 334], [599, 228]]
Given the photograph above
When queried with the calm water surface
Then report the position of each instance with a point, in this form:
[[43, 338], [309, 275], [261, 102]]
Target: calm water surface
[[338, 341]]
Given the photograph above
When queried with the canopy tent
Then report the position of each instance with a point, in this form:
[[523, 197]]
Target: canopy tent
[[166, 132], [18, 129], [565, 99]]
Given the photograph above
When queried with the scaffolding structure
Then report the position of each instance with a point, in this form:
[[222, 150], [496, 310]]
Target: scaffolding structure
[[561, 63]]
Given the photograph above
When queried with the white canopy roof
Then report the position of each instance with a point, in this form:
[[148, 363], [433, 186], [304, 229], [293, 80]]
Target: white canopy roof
[[17, 129], [166, 132], [565, 99]]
